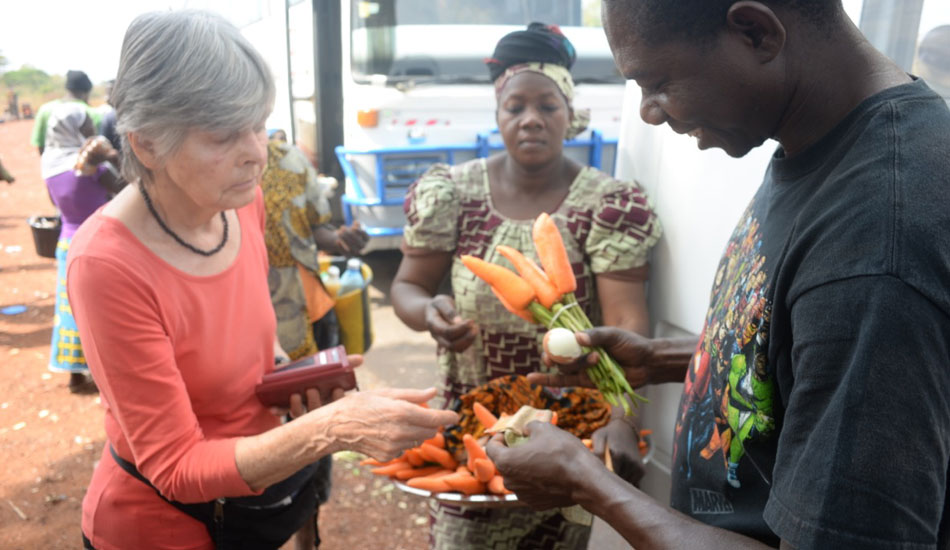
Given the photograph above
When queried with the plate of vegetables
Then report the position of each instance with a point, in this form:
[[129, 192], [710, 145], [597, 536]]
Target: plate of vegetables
[[431, 470]]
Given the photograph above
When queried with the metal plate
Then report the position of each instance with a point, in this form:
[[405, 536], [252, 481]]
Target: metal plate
[[458, 499], [486, 501]]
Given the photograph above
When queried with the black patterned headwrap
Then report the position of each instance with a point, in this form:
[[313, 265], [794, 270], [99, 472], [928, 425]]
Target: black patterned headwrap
[[538, 43]]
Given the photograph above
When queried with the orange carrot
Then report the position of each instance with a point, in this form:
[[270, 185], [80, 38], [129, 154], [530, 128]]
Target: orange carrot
[[497, 486], [484, 469], [550, 248], [589, 443], [520, 313], [515, 290], [473, 448], [429, 483], [438, 440], [554, 418], [414, 457], [645, 432], [370, 461], [545, 290], [442, 472], [484, 415], [464, 483], [391, 469], [437, 455], [476, 452], [418, 472]]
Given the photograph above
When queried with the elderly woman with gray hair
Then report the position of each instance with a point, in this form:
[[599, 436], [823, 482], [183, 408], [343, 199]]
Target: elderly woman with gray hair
[[169, 287]]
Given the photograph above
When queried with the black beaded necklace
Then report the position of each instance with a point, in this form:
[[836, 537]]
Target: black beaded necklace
[[179, 240]]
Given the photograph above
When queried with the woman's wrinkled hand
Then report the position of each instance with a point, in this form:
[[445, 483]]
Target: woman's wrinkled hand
[[447, 326], [629, 349], [546, 468], [383, 423]]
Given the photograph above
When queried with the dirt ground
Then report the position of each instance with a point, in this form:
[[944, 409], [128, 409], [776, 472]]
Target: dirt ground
[[51, 439]]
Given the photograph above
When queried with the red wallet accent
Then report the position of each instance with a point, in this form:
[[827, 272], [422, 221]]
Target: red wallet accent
[[326, 370]]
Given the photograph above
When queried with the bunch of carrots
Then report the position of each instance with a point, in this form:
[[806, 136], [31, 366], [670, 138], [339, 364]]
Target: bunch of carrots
[[546, 296], [432, 468]]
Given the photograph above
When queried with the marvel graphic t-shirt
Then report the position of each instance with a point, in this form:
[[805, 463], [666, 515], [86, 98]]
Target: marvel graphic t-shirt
[[815, 406], [729, 400]]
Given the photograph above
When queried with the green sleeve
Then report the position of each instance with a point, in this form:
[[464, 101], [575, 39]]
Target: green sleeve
[[96, 117], [38, 139]]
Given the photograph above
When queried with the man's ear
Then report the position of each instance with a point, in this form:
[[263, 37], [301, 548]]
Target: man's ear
[[144, 150], [760, 27]]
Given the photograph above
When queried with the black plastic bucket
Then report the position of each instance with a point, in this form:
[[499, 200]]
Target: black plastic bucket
[[45, 234]]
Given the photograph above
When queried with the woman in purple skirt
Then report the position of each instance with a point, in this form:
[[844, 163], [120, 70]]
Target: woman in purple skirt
[[76, 195]]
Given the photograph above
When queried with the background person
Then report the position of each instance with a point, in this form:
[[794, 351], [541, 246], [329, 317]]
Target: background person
[[5, 174], [107, 113], [78, 87], [932, 62], [76, 196], [814, 410], [169, 286], [608, 228], [296, 230]]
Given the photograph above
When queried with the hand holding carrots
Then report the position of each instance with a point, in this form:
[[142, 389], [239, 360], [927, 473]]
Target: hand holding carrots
[[447, 327], [544, 470], [622, 441], [431, 467], [384, 423], [546, 296], [629, 349]]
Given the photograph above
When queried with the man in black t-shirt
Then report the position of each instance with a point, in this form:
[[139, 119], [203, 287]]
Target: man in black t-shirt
[[815, 410]]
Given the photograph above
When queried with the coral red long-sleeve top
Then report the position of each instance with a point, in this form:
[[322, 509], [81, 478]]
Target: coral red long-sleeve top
[[176, 358]]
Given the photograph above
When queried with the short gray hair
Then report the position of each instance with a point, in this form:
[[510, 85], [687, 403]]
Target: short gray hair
[[182, 70]]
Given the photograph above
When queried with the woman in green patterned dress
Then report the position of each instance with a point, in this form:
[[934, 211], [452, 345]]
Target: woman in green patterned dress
[[607, 226]]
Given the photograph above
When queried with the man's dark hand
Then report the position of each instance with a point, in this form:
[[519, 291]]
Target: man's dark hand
[[621, 438], [545, 470], [447, 326], [629, 349]]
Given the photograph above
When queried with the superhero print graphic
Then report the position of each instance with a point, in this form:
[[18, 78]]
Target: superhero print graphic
[[729, 388]]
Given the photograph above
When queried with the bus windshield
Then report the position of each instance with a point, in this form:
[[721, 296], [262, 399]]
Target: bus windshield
[[447, 41]]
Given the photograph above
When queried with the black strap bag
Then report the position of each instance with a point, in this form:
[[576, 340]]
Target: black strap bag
[[261, 522]]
